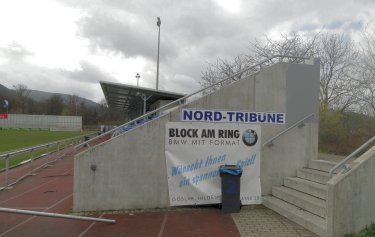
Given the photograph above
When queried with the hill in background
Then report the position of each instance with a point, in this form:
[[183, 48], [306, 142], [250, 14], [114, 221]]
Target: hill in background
[[39, 96], [5, 92]]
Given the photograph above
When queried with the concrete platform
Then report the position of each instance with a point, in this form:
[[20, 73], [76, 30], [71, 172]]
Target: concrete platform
[[51, 190]]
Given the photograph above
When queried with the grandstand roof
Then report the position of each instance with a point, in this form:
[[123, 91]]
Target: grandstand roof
[[127, 98]]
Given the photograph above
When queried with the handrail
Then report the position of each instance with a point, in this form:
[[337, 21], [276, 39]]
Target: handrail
[[37, 147], [56, 215], [183, 99], [342, 163], [8, 155], [270, 141]]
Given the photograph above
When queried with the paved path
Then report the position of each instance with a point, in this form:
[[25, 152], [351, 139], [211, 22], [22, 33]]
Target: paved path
[[257, 220], [51, 190]]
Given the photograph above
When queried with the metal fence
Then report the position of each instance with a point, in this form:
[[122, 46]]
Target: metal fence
[[29, 160], [47, 122]]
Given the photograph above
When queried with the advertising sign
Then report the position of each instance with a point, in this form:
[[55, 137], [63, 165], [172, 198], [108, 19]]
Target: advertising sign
[[194, 152], [220, 116]]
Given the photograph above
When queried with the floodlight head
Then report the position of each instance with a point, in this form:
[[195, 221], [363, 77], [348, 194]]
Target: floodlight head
[[158, 23], [137, 76]]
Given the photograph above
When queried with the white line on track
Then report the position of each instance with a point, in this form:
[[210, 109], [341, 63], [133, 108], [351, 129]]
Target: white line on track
[[31, 218], [39, 186], [89, 227], [161, 232]]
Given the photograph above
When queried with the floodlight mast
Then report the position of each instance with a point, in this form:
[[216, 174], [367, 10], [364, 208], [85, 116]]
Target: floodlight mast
[[137, 76], [158, 23]]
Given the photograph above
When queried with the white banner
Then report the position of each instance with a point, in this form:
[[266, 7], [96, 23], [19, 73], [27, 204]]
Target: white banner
[[194, 152]]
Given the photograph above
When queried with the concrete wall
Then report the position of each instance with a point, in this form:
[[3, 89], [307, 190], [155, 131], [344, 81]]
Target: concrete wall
[[48, 122], [289, 153], [131, 169], [351, 197]]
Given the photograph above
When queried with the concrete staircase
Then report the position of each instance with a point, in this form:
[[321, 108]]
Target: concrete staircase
[[302, 199]]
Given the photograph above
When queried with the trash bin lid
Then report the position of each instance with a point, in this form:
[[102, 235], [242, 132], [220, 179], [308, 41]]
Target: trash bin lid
[[230, 169]]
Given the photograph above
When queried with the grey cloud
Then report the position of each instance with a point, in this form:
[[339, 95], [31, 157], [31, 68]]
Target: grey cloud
[[86, 73], [180, 83], [83, 81], [14, 52], [309, 12], [335, 24], [192, 33], [185, 25], [310, 27], [195, 32], [206, 23], [122, 37], [357, 26], [345, 24]]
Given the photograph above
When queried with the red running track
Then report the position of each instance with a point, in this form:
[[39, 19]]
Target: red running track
[[51, 190]]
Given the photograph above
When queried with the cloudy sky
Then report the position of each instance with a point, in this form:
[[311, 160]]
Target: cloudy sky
[[67, 46]]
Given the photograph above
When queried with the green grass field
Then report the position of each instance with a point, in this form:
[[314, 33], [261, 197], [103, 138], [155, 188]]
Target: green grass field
[[11, 140], [16, 139]]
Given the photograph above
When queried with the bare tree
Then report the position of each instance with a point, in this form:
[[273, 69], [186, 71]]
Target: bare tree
[[292, 44], [22, 97], [338, 56], [55, 105], [222, 69], [367, 93], [338, 82], [337, 53], [73, 103]]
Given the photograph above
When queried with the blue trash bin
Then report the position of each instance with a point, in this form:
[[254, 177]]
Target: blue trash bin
[[230, 188]]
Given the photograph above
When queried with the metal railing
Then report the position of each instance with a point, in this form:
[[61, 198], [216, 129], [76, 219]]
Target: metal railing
[[299, 123], [34, 153], [353, 154], [56, 215], [184, 99]]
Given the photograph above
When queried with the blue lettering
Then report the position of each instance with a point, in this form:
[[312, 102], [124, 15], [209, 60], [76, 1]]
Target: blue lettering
[[187, 115], [230, 114], [248, 162], [280, 118], [198, 115], [218, 116], [253, 117], [176, 170], [208, 116], [246, 117], [239, 116], [271, 118], [262, 117]]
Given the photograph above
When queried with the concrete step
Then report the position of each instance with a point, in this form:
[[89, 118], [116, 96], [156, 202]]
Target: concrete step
[[314, 223], [322, 165], [313, 175], [305, 201], [306, 186]]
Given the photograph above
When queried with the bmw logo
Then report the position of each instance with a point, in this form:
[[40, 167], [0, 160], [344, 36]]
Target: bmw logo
[[250, 137]]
